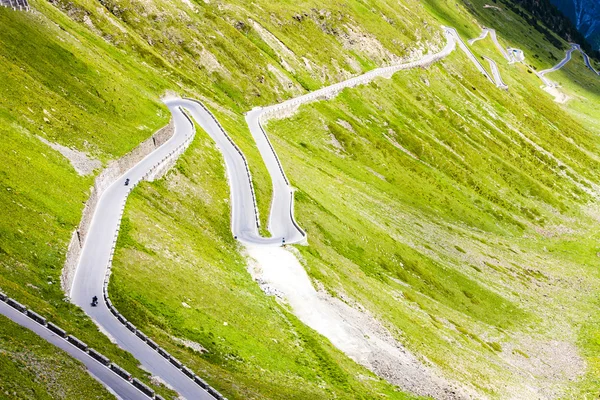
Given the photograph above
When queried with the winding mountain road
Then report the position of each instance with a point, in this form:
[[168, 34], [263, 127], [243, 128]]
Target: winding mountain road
[[492, 33], [118, 386], [587, 62], [454, 34], [496, 74], [96, 256], [514, 55], [562, 62]]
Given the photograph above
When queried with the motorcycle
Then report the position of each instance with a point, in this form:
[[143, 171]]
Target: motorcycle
[[94, 301]]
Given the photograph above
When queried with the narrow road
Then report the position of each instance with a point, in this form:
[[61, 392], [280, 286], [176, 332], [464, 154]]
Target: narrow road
[[586, 59], [453, 33], [562, 62], [117, 385], [96, 255], [483, 35], [244, 218], [492, 33], [496, 74]]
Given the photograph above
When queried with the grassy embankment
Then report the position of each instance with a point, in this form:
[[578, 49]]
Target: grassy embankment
[[451, 210], [89, 77], [81, 96]]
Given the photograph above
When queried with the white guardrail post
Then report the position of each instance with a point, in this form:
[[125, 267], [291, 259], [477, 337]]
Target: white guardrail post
[[256, 216], [143, 388]]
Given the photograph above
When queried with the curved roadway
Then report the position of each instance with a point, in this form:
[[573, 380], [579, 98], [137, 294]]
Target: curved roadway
[[496, 74], [97, 250], [562, 63], [96, 254], [492, 33], [587, 62], [116, 385], [453, 33], [244, 217]]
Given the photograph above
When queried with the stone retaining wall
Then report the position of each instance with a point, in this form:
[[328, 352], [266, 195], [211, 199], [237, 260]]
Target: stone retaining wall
[[113, 171], [17, 5]]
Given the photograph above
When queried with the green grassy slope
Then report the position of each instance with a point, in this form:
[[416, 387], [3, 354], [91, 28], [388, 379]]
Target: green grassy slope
[[34, 369], [90, 77], [458, 251], [460, 232], [183, 278], [450, 209]]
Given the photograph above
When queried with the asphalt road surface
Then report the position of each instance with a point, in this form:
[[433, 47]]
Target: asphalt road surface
[[496, 74], [453, 33], [562, 62], [97, 250], [116, 385], [244, 223], [492, 33], [95, 256]]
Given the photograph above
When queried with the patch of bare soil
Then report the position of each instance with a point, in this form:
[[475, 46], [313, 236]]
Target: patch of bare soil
[[354, 39], [190, 344], [559, 96], [83, 164], [349, 328], [492, 7], [552, 364]]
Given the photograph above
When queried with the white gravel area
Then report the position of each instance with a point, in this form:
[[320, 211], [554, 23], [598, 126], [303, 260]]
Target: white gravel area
[[355, 332]]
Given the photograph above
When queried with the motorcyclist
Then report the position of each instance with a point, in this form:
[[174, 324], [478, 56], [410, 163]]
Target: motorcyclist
[[94, 300]]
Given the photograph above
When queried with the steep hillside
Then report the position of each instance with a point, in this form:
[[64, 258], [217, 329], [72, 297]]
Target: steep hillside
[[585, 15], [430, 200], [89, 78], [459, 217], [545, 17]]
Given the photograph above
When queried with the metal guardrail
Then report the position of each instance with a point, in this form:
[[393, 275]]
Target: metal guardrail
[[256, 215], [302, 231], [287, 182], [73, 341], [17, 5], [143, 337]]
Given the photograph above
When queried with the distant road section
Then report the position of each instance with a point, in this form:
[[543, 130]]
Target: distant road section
[[563, 62], [492, 33], [587, 62], [496, 74], [454, 34]]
